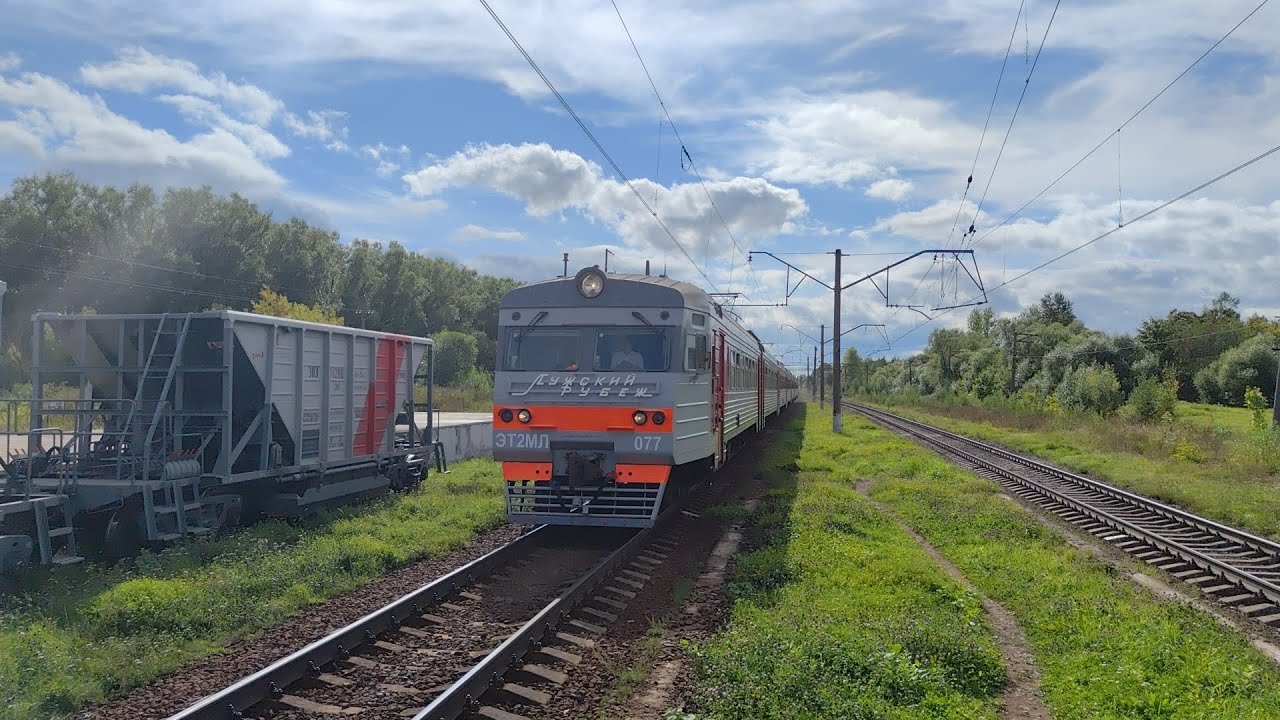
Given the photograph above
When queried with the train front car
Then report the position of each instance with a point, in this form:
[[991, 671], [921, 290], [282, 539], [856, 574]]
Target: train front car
[[591, 370]]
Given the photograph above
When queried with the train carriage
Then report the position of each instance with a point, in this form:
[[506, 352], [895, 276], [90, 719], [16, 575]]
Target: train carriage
[[612, 392]]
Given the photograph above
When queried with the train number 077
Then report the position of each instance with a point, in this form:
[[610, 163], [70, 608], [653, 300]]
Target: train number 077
[[648, 442]]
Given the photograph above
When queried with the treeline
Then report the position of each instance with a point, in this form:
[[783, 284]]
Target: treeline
[[1046, 355], [70, 246]]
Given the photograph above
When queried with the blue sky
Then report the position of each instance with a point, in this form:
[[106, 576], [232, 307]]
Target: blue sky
[[825, 124]]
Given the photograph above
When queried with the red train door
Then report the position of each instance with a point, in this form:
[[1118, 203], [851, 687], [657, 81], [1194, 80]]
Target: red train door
[[760, 392], [717, 393]]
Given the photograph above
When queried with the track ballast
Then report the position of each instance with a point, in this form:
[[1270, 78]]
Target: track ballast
[[1233, 567]]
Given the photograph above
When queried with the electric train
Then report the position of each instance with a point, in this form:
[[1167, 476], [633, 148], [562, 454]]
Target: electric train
[[613, 393]]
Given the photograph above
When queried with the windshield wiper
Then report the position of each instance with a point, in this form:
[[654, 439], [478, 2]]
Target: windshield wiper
[[652, 327], [520, 336]]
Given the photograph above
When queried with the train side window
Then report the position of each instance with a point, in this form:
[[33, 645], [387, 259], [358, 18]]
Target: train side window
[[696, 346]]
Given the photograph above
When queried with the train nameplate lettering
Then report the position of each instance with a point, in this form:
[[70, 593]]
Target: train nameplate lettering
[[605, 386], [312, 372], [311, 417], [522, 441]]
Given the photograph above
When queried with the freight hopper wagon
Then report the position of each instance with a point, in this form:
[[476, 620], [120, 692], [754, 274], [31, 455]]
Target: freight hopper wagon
[[185, 423], [614, 392]]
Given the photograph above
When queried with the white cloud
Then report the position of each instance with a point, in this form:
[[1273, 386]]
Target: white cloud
[[138, 70], [390, 159], [476, 232], [892, 189], [18, 140], [80, 131], [10, 61], [327, 126], [841, 138], [204, 112], [551, 181]]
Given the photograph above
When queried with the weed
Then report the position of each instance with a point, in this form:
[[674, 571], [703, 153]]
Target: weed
[[1104, 647], [1207, 459], [88, 634], [838, 613]]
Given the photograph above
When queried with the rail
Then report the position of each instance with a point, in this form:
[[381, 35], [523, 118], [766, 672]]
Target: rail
[[1206, 549], [464, 693], [269, 681]]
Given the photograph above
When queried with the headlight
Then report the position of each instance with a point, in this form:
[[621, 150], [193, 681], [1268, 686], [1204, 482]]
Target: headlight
[[506, 415], [590, 282], [659, 418], [525, 417], [638, 417]]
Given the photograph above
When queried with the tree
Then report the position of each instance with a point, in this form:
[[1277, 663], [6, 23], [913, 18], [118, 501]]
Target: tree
[[1054, 308], [1092, 388], [131, 250], [982, 322], [455, 357], [1249, 364], [277, 305]]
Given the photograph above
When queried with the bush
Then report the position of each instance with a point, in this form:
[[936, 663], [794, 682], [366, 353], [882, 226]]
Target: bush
[[1091, 388], [1152, 398], [1249, 364], [455, 357]]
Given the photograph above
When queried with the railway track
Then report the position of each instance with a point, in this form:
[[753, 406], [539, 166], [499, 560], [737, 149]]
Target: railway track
[[1233, 567], [497, 628]]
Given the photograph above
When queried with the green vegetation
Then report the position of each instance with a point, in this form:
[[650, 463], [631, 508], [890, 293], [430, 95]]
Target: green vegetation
[[1046, 357], [84, 635], [134, 250], [1104, 646], [838, 613], [1210, 462], [278, 305]]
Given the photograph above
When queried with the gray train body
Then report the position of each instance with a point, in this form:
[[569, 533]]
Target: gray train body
[[184, 423], [606, 402]]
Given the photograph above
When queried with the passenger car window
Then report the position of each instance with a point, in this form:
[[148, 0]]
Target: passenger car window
[[696, 345]]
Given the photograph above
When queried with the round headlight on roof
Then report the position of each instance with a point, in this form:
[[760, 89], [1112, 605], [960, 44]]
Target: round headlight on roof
[[590, 282]]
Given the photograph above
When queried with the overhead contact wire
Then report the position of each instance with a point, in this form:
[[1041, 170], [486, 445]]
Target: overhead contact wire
[[591, 136]]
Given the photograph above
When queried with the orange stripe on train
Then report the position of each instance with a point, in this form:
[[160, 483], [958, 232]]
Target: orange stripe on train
[[577, 418], [517, 471]]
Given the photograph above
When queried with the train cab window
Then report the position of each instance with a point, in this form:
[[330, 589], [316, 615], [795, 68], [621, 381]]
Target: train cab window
[[627, 350], [695, 347], [542, 349]]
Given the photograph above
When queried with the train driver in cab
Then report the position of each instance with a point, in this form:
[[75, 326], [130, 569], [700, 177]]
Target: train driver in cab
[[626, 358]]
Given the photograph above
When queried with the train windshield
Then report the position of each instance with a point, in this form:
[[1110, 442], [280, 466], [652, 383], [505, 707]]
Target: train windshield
[[593, 349]]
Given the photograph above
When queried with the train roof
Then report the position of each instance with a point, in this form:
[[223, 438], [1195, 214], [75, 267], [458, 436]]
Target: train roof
[[627, 290], [621, 290]]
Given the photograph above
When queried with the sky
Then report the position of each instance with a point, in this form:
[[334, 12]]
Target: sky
[[812, 126]]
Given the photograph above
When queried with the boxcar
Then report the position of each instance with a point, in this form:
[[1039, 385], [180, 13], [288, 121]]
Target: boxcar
[[185, 422], [614, 391]]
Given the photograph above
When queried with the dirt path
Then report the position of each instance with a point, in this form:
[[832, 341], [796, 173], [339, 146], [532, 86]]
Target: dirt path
[[1021, 699], [700, 614]]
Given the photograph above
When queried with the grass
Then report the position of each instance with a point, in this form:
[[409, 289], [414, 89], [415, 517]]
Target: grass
[[1105, 647], [15, 408], [1231, 419], [840, 614], [457, 399], [837, 612], [85, 635], [627, 680], [1206, 461]]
